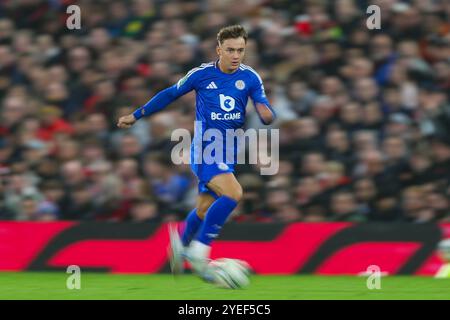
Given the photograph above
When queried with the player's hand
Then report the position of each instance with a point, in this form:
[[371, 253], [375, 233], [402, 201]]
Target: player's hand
[[126, 121]]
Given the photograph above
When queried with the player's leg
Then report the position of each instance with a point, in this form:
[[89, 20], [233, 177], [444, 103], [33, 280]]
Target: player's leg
[[195, 218], [229, 192], [227, 185], [187, 231]]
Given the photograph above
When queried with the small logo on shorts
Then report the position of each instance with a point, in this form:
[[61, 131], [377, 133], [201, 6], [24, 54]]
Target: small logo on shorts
[[223, 166], [240, 84]]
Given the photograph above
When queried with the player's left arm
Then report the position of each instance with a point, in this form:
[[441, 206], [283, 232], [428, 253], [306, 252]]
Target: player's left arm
[[262, 106]]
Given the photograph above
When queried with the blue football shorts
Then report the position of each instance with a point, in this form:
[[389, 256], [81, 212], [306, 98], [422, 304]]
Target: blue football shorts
[[205, 172]]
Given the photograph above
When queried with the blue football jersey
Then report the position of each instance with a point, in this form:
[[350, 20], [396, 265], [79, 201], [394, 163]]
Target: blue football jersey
[[221, 97]]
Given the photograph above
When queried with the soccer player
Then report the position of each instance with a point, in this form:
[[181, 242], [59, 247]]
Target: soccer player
[[222, 90]]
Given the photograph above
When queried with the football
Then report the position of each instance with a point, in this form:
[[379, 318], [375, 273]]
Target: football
[[230, 273]]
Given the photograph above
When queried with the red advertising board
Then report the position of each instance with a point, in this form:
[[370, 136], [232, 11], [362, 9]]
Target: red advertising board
[[317, 248]]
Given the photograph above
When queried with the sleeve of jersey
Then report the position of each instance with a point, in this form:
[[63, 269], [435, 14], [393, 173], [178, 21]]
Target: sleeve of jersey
[[260, 100], [165, 97]]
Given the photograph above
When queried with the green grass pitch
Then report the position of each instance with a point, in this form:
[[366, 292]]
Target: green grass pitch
[[42, 285]]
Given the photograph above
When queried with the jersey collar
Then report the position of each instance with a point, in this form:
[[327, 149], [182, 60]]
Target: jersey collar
[[216, 65]]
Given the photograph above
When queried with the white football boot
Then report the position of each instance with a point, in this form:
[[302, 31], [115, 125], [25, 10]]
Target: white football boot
[[176, 251], [197, 255]]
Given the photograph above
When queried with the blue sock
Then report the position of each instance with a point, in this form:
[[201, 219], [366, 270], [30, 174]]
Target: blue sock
[[215, 218], [192, 223]]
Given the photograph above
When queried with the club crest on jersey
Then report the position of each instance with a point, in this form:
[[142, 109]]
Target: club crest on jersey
[[240, 84]]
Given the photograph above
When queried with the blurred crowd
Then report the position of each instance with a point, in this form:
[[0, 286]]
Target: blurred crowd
[[364, 115]]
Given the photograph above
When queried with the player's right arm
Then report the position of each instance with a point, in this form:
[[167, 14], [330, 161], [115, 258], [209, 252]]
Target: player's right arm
[[262, 106], [161, 100]]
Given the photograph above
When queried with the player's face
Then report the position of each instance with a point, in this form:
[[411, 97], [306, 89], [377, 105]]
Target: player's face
[[231, 53]]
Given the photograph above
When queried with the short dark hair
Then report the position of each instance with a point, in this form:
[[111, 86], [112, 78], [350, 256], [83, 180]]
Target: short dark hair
[[232, 32]]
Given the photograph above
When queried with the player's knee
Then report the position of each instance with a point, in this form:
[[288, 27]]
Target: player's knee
[[201, 210], [235, 193]]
